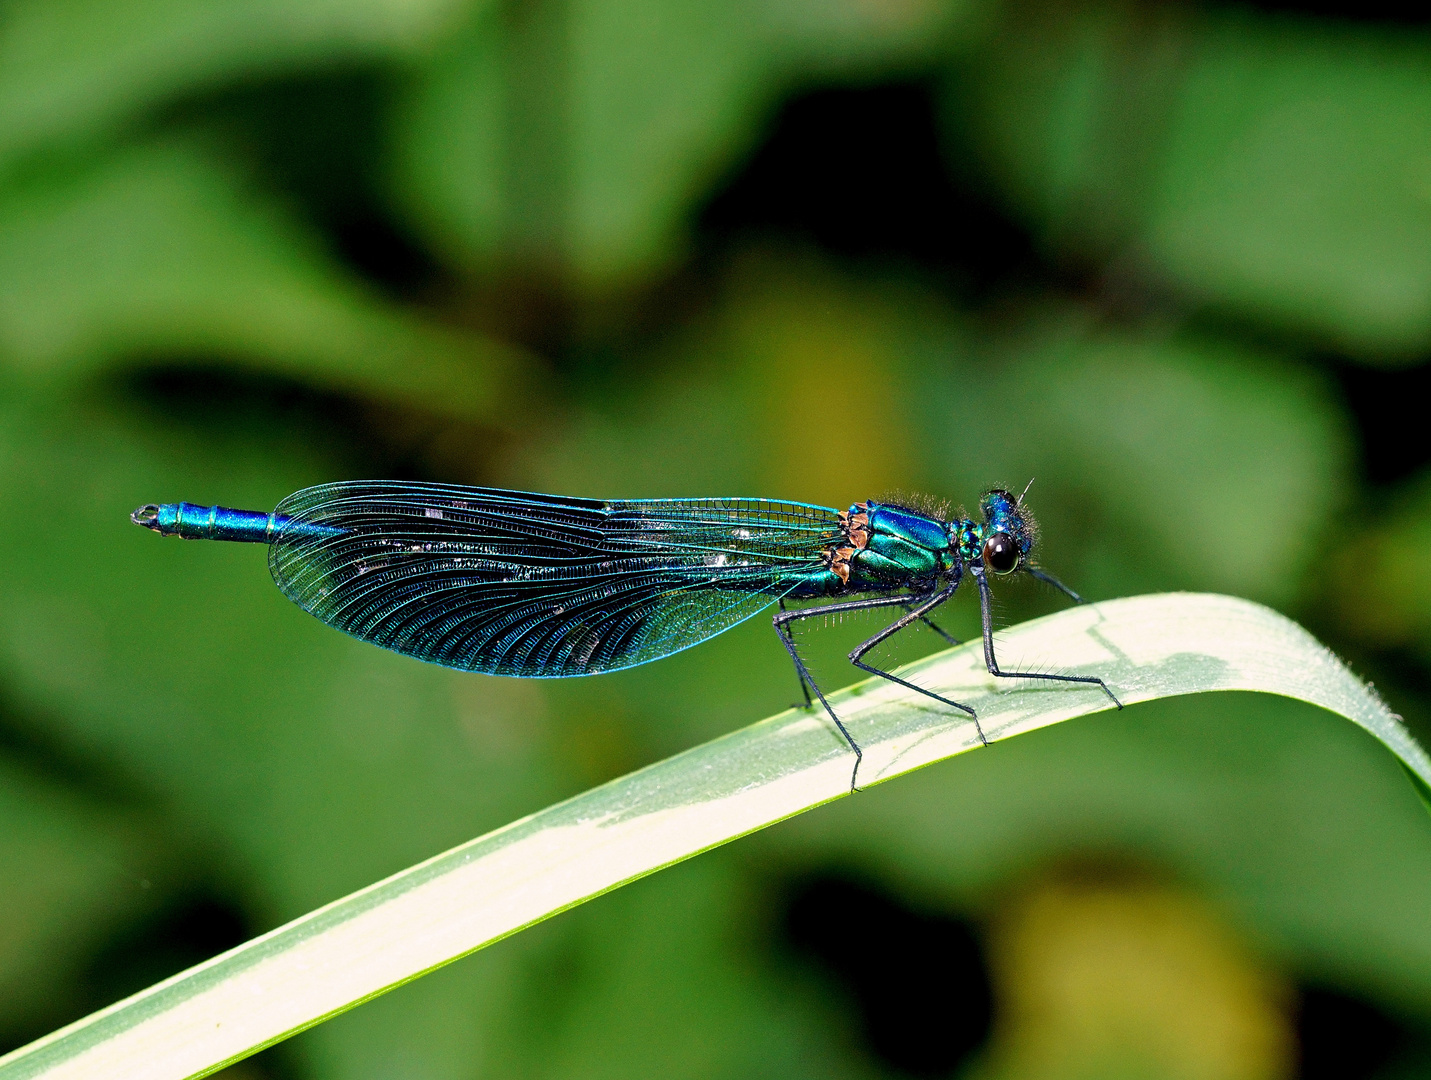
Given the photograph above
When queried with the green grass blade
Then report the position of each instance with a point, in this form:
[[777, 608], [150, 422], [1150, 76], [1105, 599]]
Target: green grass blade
[[364, 944]]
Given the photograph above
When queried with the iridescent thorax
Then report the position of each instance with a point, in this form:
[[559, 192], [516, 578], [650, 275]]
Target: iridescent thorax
[[885, 544]]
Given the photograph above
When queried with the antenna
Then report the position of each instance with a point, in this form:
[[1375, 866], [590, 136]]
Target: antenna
[[1020, 499]]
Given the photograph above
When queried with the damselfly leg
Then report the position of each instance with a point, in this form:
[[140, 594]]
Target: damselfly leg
[[993, 664], [950, 638], [1049, 579], [784, 629], [922, 605], [804, 687], [895, 627], [787, 638]]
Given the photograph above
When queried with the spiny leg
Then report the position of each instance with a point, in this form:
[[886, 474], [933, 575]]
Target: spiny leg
[[927, 604], [993, 664], [784, 629], [930, 623], [787, 638], [1048, 578]]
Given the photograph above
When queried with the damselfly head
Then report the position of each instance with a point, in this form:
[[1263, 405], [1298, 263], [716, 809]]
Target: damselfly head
[[1009, 532]]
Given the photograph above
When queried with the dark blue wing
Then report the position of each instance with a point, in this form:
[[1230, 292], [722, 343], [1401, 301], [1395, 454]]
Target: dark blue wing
[[511, 583]]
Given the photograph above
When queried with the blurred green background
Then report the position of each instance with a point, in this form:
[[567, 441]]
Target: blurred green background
[[1173, 260]]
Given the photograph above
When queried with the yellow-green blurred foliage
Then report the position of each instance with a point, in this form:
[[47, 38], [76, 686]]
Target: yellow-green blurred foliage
[[1108, 978], [1172, 259]]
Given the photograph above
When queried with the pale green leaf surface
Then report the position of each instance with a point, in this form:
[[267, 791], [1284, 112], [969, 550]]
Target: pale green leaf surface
[[1146, 647]]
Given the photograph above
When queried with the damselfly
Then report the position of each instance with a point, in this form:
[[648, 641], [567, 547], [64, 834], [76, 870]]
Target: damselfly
[[542, 586]]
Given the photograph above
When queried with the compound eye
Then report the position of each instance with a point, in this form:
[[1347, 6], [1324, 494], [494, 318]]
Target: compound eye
[[1001, 554]]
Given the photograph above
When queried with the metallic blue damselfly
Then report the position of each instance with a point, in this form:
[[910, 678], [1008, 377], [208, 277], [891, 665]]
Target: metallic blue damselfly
[[543, 586]]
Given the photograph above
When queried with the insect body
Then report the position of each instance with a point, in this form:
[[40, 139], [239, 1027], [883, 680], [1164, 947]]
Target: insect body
[[542, 586]]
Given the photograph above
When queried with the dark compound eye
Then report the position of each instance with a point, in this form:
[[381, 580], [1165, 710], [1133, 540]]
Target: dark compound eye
[[1001, 554]]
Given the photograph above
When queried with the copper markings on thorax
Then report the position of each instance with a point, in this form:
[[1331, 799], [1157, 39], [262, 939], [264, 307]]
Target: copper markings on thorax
[[855, 524]]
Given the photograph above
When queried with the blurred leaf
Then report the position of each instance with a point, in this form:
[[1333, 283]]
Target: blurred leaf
[[156, 253], [1108, 978], [308, 763], [70, 871], [1382, 584], [456, 1024], [1152, 450], [1295, 184], [1267, 166], [663, 980], [737, 400], [575, 137], [451, 154], [1179, 460], [73, 69], [1147, 647]]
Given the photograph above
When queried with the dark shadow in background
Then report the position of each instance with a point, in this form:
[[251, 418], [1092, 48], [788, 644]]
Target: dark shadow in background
[[916, 980], [1389, 407], [1392, 12], [356, 437], [862, 173], [1342, 1037], [319, 140], [28, 742]]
